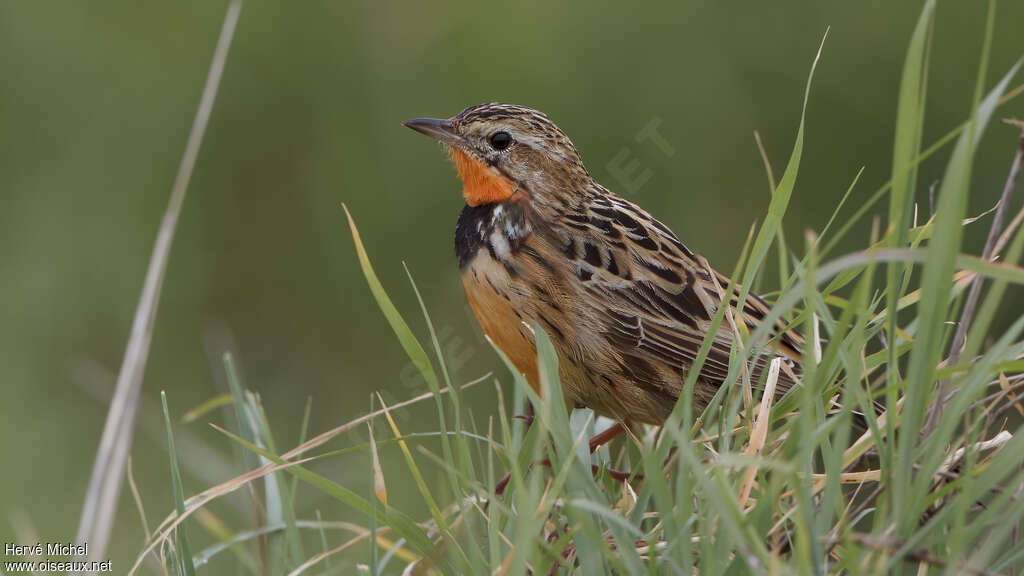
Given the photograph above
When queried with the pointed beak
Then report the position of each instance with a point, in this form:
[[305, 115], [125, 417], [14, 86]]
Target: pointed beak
[[441, 130]]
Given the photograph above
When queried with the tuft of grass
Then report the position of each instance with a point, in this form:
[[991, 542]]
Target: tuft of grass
[[930, 483]]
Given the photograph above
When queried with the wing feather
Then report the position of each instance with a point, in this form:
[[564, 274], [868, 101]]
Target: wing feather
[[654, 298]]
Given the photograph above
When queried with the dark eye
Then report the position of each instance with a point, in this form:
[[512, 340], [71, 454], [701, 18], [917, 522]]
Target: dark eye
[[501, 140]]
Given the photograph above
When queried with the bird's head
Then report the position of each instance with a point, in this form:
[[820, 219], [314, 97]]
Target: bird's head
[[504, 149]]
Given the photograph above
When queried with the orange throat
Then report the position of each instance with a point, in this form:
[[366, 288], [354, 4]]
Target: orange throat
[[480, 183]]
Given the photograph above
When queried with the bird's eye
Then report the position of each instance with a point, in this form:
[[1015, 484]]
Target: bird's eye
[[501, 140]]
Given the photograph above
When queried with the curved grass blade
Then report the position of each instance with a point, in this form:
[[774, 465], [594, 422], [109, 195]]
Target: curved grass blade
[[783, 192], [405, 336]]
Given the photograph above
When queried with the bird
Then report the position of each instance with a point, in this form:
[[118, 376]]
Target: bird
[[626, 305]]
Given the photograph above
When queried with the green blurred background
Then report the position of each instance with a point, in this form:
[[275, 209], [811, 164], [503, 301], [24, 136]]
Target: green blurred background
[[97, 99]]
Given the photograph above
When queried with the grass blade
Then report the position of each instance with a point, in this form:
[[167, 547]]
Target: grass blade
[[936, 284], [278, 495], [107, 477], [405, 336], [183, 551], [906, 147], [783, 192]]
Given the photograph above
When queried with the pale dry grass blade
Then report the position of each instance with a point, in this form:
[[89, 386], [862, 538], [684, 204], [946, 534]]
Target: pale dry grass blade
[[760, 432], [1004, 384], [334, 432], [230, 539], [140, 507], [380, 488], [859, 477], [1004, 239], [107, 476], [816, 337], [995, 442], [316, 558], [24, 528]]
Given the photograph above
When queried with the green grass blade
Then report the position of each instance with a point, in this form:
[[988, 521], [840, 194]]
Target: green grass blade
[[906, 147], [277, 491], [181, 538], [405, 336], [303, 435], [253, 426], [462, 447], [784, 191], [909, 126], [936, 286], [780, 235], [242, 419], [553, 412], [328, 563], [415, 352]]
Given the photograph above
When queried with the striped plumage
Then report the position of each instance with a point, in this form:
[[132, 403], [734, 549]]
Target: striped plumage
[[625, 303]]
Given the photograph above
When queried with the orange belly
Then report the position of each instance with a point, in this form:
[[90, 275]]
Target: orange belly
[[500, 323]]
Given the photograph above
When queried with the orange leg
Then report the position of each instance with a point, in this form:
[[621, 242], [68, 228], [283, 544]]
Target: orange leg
[[607, 435]]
